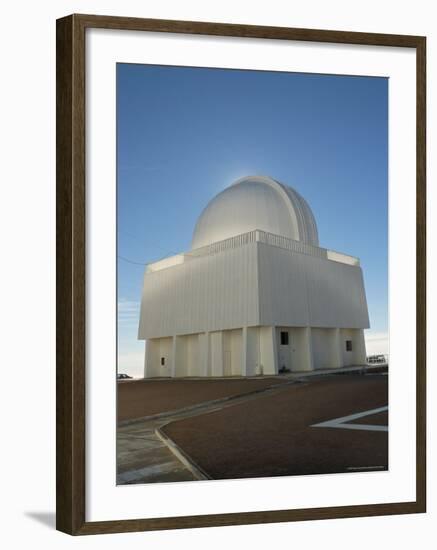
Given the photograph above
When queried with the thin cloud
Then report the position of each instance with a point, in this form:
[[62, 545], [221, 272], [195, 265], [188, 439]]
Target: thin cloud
[[377, 343], [128, 311], [128, 306]]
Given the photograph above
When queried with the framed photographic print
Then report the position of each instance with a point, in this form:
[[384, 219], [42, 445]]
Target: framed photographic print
[[240, 274]]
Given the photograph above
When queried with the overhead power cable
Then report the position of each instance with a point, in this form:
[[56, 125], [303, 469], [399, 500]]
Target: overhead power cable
[[143, 263]]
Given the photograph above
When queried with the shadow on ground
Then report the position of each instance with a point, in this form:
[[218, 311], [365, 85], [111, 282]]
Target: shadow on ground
[[45, 518]]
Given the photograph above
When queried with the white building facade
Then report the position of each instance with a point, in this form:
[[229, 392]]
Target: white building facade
[[256, 295]]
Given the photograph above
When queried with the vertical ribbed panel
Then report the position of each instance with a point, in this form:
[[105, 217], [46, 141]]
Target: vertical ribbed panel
[[211, 292], [303, 290], [282, 283]]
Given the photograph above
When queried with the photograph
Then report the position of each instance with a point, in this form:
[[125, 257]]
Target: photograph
[[217, 262], [252, 273]]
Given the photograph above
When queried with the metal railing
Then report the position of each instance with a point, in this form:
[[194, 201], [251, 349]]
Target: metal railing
[[275, 240], [262, 237]]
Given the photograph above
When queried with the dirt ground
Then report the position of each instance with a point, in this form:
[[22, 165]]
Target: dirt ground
[[139, 398], [273, 435]]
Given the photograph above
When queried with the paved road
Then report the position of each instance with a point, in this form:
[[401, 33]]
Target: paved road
[[140, 398], [142, 457], [278, 435], [312, 428]]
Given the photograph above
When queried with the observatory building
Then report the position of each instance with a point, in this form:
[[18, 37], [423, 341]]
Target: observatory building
[[255, 295]]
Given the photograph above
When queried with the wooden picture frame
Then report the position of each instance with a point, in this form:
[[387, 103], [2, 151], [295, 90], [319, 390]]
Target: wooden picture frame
[[71, 257]]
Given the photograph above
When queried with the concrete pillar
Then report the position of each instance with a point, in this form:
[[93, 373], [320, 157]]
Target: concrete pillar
[[268, 349], [250, 351], [216, 344], [306, 355], [192, 355], [236, 349], [151, 358], [335, 351], [245, 352], [204, 354], [146, 360], [359, 347], [178, 367]]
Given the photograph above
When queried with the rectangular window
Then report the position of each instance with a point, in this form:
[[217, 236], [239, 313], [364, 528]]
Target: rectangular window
[[162, 361], [284, 338], [348, 345]]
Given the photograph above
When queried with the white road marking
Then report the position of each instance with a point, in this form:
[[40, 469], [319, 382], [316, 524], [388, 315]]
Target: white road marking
[[342, 422]]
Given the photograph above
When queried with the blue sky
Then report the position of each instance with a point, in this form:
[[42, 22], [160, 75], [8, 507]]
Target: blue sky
[[184, 134]]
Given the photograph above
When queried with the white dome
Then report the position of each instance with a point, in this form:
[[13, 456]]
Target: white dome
[[256, 202]]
